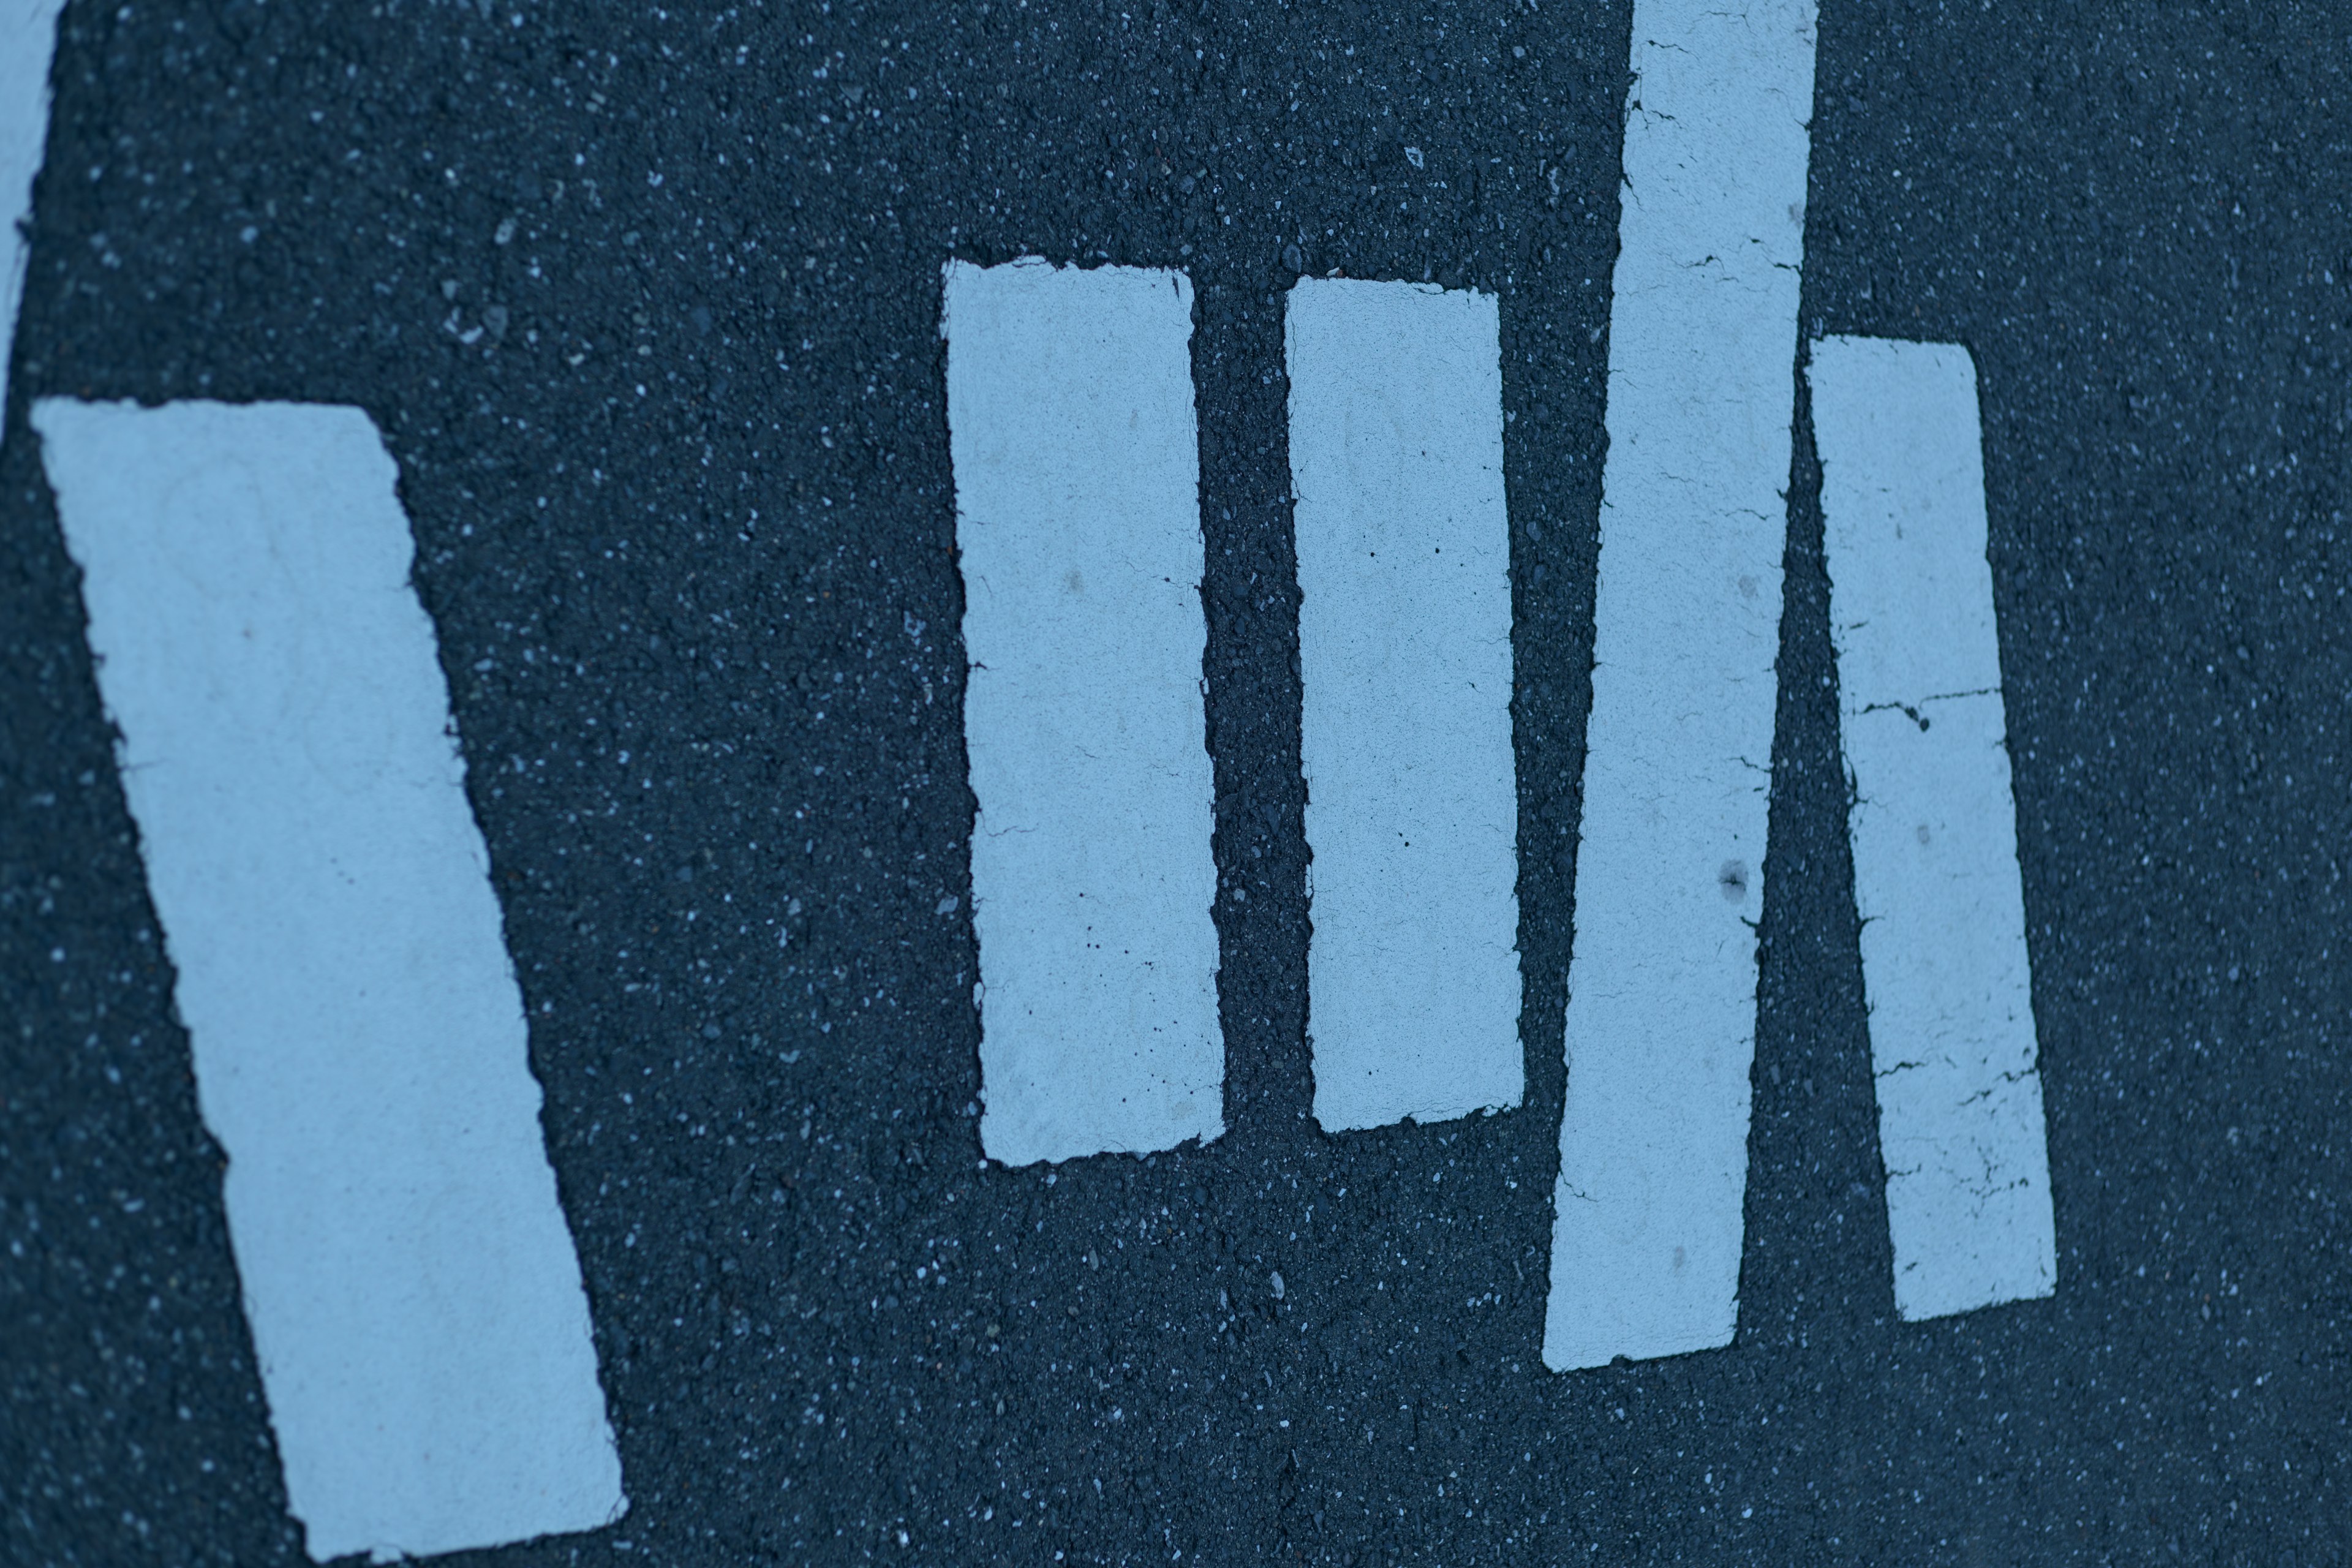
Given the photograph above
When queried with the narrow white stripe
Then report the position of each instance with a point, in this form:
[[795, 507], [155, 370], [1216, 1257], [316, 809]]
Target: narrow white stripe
[[1077, 513], [1404, 653], [1934, 825], [360, 1045], [28, 39], [1669, 877]]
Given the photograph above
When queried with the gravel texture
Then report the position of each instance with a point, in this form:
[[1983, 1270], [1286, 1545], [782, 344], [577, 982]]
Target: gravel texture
[[645, 304]]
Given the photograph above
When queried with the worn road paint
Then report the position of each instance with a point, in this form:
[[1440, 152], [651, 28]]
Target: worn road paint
[[1669, 877], [1077, 513], [360, 1046], [1934, 825], [1404, 651], [29, 40]]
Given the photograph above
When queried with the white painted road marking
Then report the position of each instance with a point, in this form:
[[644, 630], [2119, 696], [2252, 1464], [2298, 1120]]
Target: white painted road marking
[[360, 1045], [28, 39], [1076, 466], [1404, 652], [1669, 877], [1934, 825]]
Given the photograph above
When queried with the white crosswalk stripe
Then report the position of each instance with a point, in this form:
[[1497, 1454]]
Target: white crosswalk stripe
[[359, 1039], [28, 39], [1404, 638], [1670, 859], [1078, 515], [1934, 825]]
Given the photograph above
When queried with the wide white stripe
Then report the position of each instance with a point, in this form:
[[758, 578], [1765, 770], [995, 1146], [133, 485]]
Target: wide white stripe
[[360, 1046], [28, 39], [1934, 825], [1077, 515], [1404, 653], [1669, 877]]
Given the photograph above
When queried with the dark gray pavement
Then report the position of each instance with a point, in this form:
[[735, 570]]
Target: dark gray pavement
[[645, 302]]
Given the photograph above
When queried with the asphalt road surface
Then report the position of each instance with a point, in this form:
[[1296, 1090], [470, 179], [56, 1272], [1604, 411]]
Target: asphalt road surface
[[646, 305]]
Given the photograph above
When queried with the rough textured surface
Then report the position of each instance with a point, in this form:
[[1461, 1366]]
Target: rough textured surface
[[743, 574]]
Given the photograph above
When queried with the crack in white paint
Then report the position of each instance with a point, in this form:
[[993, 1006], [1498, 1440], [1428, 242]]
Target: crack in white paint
[[1933, 825], [1662, 981]]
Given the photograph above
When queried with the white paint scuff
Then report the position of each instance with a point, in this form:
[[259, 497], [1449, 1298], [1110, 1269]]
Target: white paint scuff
[[359, 1039], [1405, 648], [1934, 825], [1076, 461], [28, 41], [1669, 877]]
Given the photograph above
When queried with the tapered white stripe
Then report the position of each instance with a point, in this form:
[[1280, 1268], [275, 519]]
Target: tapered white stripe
[[1934, 825], [28, 39], [1669, 884], [360, 1046], [1078, 515], [1404, 653]]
